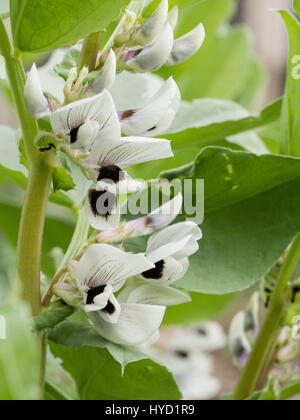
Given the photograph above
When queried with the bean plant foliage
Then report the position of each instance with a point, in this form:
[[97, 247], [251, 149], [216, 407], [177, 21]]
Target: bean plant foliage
[[118, 101]]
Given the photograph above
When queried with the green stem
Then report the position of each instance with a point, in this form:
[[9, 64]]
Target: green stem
[[270, 330], [43, 340], [36, 197], [76, 245], [37, 192], [290, 391], [90, 50]]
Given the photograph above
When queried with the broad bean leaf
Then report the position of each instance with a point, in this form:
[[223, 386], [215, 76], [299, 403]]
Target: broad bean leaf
[[19, 353], [99, 377], [251, 216], [52, 317], [80, 334], [207, 120], [290, 137], [43, 25], [202, 307]]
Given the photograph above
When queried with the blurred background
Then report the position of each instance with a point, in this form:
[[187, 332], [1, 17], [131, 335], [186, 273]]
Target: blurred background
[[247, 50]]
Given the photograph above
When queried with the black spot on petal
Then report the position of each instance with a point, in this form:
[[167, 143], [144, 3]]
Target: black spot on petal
[[127, 114], [92, 293], [112, 172], [202, 331], [155, 273], [152, 129], [182, 354], [74, 134], [102, 203], [109, 309], [238, 349]]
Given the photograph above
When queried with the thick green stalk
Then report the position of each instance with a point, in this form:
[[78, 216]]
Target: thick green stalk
[[36, 197], [90, 50], [270, 330]]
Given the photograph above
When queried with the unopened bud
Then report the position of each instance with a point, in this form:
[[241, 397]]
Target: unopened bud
[[186, 46], [152, 56], [147, 32]]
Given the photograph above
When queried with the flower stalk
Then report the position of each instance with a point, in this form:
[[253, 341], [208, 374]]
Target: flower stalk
[[270, 330], [36, 198]]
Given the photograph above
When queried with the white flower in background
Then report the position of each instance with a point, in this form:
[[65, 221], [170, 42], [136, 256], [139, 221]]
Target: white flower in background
[[185, 353], [36, 102], [169, 250], [142, 226], [239, 344], [107, 75], [243, 331], [205, 337], [149, 30], [186, 46], [156, 116], [109, 160], [152, 56]]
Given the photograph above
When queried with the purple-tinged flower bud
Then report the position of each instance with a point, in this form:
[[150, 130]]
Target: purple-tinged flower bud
[[152, 56], [186, 46], [156, 220], [151, 28]]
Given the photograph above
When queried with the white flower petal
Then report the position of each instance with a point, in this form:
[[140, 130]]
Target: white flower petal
[[130, 151], [100, 108], [186, 46], [107, 77], [168, 249], [97, 301], [185, 266], [102, 210], [106, 265], [136, 325], [86, 135], [154, 55], [150, 294], [173, 234], [156, 116], [36, 102], [112, 311], [173, 17], [165, 214], [125, 184], [166, 272], [147, 32]]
